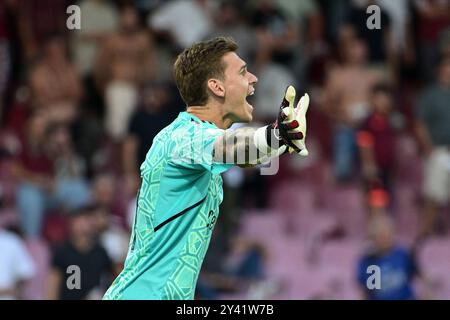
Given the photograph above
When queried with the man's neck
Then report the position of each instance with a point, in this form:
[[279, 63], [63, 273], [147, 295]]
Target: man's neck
[[212, 113], [82, 243]]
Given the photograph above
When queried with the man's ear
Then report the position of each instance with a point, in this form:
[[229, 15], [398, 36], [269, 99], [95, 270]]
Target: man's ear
[[216, 87]]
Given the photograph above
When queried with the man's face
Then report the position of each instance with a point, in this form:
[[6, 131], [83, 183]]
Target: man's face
[[382, 102], [82, 226], [239, 84]]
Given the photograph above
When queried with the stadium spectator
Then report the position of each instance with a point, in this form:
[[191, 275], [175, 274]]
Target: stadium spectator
[[400, 24], [54, 82], [376, 139], [346, 99], [111, 236], [83, 251], [306, 16], [72, 188], [433, 118], [104, 190], [396, 264], [34, 171], [276, 36], [49, 173], [99, 20], [230, 19], [155, 112], [379, 40], [16, 265], [125, 62], [182, 21], [236, 266], [308, 19], [276, 41], [113, 193], [433, 17]]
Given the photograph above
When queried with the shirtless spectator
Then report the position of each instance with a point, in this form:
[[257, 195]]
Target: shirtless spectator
[[125, 62], [54, 82], [345, 100], [99, 20]]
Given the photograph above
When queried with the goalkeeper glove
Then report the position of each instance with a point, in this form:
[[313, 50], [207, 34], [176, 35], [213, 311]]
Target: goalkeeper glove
[[288, 132], [295, 119]]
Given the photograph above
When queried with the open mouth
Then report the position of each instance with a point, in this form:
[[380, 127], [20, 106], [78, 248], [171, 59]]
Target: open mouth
[[249, 98]]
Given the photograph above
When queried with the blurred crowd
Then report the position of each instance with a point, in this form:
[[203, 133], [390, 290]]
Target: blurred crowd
[[79, 110]]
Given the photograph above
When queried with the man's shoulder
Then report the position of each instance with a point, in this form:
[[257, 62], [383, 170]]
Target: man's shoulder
[[401, 251], [63, 249], [184, 128], [99, 251]]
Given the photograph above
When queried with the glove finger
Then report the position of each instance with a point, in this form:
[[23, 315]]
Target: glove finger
[[295, 135], [292, 125], [302, 106], [289, 95], [291, 99], [287, 105], [301, 144]]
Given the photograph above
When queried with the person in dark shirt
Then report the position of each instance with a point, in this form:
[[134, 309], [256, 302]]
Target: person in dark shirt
[[377, 39], [276, 37], [158, 108], [397, 267], [81, 268]]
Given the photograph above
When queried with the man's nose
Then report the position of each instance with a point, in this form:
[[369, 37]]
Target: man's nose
[[253, 78]]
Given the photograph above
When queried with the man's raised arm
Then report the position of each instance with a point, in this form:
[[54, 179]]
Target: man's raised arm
[[251, 146]]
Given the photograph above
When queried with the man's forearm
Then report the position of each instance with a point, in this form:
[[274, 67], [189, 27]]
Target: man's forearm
[[238, 147]]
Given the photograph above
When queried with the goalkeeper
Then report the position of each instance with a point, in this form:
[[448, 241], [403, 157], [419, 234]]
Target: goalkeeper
[[181, 190]]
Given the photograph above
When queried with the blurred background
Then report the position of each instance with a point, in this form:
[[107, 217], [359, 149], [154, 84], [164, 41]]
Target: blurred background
[[79, 110]]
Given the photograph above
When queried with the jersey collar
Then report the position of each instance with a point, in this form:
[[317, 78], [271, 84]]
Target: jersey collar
[[187, 116]]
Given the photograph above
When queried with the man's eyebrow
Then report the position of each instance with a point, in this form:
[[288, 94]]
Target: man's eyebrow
[[243, 67]]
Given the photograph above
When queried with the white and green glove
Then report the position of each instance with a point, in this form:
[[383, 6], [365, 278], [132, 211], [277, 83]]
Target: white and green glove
[[289, 129], [293, 128], [288, 132]]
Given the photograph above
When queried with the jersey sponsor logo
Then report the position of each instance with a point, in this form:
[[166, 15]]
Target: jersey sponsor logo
[[211, 220]]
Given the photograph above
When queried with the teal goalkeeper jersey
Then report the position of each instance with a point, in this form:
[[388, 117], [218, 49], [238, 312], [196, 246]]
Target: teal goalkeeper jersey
[[177, 207]]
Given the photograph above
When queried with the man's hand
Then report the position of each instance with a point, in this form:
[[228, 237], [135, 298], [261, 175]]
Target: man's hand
[[291, 123], [286, 133]]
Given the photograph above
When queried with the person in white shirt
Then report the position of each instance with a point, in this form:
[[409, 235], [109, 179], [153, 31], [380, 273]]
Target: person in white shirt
[[16, 266]]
